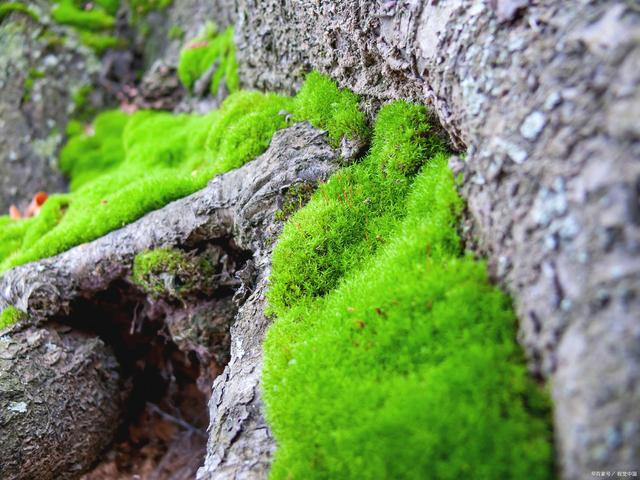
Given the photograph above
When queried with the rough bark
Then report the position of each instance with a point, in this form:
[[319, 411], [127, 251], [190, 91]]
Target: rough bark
[[38, 78], [240, 444], [544, 98], [59, 402], [240, 205]]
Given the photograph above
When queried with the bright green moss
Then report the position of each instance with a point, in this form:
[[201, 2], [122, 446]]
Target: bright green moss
[[99, 42], [122, 166], [109, 6], [67, 12], [172, 272], [325, 106], [9, 316], [203, 52], [142, 7], [392, 355], [10, 7], [93, 25], [355, 212]]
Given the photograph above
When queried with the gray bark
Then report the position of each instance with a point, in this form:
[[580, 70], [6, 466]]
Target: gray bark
[[32, 123], [59, 402], [544, 98], [240, 204]]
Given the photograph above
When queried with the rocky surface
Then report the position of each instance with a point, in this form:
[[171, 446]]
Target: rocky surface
[[542, 98]]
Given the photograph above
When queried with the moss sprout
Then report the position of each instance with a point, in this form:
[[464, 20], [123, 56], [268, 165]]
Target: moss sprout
[[143, 7], [67, 12], [325, 106], [175, 33], [100, 42], [11, 315], [392, 356]]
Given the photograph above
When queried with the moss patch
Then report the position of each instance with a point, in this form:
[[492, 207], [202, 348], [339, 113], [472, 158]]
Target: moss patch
[[10, 7], [143, 7], [172, 272], [122, 167], [9, 316], [206, 50], [69, 12], [392, 356], [337, 111], [94, 25]]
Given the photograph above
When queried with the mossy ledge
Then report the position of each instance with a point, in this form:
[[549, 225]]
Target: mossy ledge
[[392, 356], [123, 166]]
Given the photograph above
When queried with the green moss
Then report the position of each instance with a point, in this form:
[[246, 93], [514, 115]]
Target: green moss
[[122, 167], [10, 7], [175, 33], [325, 106], [67, 12], [100, 42], [83, 111], [93, 25], [143, 7], [204, 51], [294, 199], [173, 272], [392, 355], [34, 74], [9, 316]]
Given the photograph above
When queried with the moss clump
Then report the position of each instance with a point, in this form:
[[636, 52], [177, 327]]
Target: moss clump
[[175, 33], [94, 25], [10, 315], [392, 355], [207, 49], [122, 167], [325, 106], [10, 7], [143, 7], [173, 272], [68, 12]]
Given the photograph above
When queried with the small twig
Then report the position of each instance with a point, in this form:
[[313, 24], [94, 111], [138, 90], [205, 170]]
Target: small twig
[[178, 421]]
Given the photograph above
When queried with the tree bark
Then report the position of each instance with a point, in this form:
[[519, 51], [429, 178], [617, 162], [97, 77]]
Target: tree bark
[[544, 99], [59, 402]]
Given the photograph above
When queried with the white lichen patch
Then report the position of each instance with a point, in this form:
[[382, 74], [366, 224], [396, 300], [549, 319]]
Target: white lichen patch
[[533, 125], [18, 407]]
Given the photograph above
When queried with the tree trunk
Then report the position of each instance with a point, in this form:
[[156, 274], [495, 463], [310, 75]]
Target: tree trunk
[[544, 99]]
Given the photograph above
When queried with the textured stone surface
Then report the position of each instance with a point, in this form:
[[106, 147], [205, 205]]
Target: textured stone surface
[[544, 99]]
